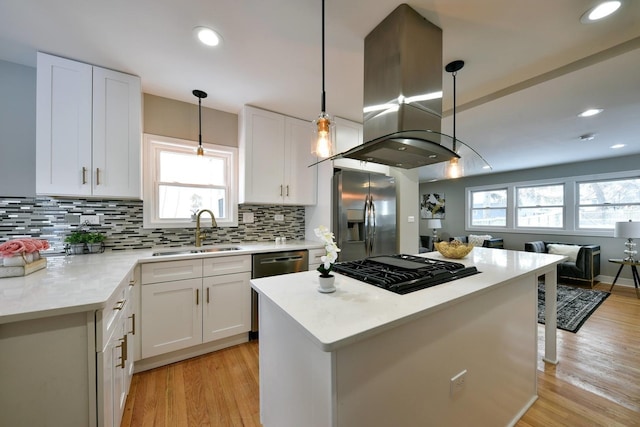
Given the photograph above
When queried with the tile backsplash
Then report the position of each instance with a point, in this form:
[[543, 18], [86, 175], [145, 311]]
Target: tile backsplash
[[121, 220]]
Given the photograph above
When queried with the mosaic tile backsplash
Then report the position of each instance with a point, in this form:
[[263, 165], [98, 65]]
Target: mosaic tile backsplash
[[121, 221]]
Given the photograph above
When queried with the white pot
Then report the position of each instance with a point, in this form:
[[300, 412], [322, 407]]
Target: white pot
[[326, 284]]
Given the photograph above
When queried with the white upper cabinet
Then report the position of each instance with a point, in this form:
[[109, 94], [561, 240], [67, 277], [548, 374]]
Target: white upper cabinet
[[275, 152], [348, 135], [88, 130]]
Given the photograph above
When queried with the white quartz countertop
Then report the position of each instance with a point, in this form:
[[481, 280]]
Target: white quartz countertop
[[79, 283], [358, 310]]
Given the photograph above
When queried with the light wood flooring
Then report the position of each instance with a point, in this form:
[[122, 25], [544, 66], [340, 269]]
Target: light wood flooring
[[596, 383]]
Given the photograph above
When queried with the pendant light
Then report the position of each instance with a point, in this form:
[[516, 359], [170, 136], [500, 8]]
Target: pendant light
[[322, 145], [200, 94], [454, 167]]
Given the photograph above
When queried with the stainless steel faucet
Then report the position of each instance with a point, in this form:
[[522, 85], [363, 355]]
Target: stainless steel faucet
[[202, 234]]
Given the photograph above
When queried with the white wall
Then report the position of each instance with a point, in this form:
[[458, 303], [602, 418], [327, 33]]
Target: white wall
[[17, 130]]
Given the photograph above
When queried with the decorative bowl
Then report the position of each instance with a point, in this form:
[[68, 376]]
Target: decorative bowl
[[453, 249]]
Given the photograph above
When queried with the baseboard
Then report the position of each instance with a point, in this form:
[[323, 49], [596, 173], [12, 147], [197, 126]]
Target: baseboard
[[621, 281], [188, 353], [520, 414]]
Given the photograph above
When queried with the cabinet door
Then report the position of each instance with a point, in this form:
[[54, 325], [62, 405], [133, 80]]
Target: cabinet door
[[227, 306], [348, 135], [171, 316], [300, 180], [112, 393], [116, 134], [261, 156], [63, 126]]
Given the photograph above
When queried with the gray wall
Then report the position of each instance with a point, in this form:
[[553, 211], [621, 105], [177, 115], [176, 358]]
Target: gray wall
[[17, 130], [454, 190], [176, 119]]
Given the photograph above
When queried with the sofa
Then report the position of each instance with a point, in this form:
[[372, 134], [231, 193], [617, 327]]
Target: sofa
[[485, 240], [583, 263]]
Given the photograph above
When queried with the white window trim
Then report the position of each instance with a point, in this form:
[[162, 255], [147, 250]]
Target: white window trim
[[149, 172], [570, 200]]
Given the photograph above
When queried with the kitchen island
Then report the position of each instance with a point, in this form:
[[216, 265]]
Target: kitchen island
[[460, 353]]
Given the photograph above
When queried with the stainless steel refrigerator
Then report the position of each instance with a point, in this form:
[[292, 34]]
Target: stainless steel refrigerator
[[364, 221]]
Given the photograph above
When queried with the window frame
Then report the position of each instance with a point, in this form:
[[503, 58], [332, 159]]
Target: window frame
[[152, 146], [517, 206], [603, 205], [471, 208], [571, 205]]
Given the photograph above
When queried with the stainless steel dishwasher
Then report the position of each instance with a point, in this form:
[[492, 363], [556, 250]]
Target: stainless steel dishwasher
[[274, 264]]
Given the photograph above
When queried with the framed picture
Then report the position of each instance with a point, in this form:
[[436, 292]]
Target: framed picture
[[432, 206]]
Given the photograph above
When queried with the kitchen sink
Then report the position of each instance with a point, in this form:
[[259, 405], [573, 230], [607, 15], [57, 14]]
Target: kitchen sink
[[197, 251]]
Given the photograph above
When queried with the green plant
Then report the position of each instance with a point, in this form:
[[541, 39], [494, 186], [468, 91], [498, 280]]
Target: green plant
[[95, 238], [77, 237]]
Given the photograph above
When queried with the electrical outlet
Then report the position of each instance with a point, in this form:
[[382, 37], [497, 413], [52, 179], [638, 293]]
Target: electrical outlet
[[89, 219], [279, 217], [458, 382], [411, 218], [247, 217]]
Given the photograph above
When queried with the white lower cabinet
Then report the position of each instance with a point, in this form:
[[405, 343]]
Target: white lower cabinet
[[183, 307], [314, 258], [115, 350]]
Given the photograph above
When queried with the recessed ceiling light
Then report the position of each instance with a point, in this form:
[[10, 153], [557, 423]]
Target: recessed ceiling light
[[600, 11], [616, 146], [590, 112], [207, 36]]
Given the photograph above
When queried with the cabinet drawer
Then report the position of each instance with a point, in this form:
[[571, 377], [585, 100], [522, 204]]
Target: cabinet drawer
[[168, 271], [116, 306], [226, 265], [315, 255]]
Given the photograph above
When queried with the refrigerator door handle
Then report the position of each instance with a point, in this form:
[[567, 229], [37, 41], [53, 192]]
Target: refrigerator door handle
[[372, 210], [366, 225]]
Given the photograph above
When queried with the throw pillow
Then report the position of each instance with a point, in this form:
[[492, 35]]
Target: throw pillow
[[478, 240], [570, 251]]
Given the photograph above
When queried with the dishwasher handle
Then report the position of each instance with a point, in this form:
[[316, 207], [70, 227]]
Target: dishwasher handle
[[281, 259]]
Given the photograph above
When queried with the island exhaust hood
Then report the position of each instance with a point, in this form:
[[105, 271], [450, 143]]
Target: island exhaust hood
[[403, 94]]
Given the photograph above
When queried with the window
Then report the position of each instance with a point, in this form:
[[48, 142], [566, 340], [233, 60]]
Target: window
[[489, 208], [177, 183], [603, 203], [540, 206], [579, 205]]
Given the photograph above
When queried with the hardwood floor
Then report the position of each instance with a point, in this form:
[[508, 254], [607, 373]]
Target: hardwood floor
[[596, 383]]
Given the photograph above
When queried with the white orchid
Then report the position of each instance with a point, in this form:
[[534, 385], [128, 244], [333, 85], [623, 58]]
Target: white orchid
[[330, 246]]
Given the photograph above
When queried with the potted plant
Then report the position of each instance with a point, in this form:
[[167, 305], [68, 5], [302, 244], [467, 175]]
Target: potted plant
[[76, 242], [327, 279], [95, 242]]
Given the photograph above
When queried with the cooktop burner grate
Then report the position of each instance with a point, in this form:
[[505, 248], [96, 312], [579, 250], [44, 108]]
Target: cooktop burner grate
[[404, 273]]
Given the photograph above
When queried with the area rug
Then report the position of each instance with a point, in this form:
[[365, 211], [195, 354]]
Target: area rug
[[575, 305]]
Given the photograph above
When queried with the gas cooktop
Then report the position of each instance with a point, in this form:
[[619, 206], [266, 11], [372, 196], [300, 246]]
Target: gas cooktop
[[403, 273]]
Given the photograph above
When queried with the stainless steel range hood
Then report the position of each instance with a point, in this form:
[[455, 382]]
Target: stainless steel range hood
[[403, 94]]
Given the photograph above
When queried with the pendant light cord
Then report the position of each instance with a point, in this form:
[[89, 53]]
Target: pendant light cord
[[454, 109], [200, 121], [323, 100]]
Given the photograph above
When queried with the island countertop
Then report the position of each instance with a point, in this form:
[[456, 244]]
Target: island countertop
[[78, 283], [358, 310]]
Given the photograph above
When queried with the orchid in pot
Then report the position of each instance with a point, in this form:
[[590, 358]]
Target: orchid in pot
[[327, 279]]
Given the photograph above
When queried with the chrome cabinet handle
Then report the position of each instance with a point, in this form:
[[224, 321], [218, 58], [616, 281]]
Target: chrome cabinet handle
[[280, 190], [207, 295], [197, 296], [120, 305], [97, 176], [287, 191], [84, 175]]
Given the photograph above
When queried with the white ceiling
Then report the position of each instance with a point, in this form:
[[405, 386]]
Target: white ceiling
[[531, 66]]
